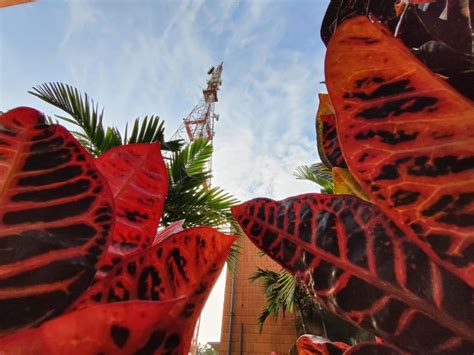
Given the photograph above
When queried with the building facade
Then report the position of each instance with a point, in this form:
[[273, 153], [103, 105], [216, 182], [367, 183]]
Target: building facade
[[248, 301]]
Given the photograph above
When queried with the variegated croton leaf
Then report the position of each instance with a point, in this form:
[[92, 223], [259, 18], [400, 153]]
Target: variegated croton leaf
[[408, 139], [315, 345], [138, 327], [361, 266], [328, 144], [186, 264], [345, 184], [56, 212], [374, 349], [139, 182]]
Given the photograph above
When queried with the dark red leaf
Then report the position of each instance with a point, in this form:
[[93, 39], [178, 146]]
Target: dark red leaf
[[186, 264], [362, 267], [138, 179], [328, 144], [314, 345], [138, 327], [173, 228], [373, 349], [56, 212], [407, 138]]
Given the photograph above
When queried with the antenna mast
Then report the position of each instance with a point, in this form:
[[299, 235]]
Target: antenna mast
[[200, 121], [200, 124]]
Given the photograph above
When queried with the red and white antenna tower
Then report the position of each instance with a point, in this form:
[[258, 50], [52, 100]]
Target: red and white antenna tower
[[200, 121], [200, 124]]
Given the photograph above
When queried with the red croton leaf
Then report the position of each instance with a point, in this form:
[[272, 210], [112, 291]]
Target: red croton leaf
[[56, 212], [407, 138], [313, 345], [186, 264], [328, 144], [139, 181], [138, 327], [173, 228], [361, 266]]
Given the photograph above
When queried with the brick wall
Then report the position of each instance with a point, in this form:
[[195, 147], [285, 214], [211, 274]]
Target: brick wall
[[278, 336]]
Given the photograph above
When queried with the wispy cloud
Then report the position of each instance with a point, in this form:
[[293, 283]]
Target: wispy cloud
[[150, 57], [81, 14]]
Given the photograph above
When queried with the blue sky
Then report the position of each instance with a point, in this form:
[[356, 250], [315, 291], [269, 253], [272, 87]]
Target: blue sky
[[150, 57]]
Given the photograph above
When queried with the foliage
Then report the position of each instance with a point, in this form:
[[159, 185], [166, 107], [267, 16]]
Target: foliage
[[318, 174], [283, 293], [388, 265], [86, 115], [189, 197], [392, 142], [57, 219], [206, 349]]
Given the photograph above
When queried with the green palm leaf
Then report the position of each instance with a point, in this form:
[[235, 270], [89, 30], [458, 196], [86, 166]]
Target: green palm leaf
[[150, 129], [190, 198], [85, 114], [318, 174], [280, 293]]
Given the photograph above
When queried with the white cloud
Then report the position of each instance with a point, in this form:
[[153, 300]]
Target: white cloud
[[81, 14], [152, 58]]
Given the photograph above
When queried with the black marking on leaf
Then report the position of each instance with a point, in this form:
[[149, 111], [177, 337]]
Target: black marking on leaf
[[67, 190], [387, 89], [387, 136], [404, 197], [172, 341], [384, 254], [35, 242], [398, 107], [389, 172], [355, 239], [49, 213], [325, 275], [148, 284], [153, 343], [46, 145], [418, 271], [47, 160], [326, 234], [440, 166], [305, 230], [388, 317], [349, 298], [119, 335], [268, 238]]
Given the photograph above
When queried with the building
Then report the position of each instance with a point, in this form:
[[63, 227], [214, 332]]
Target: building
[[278, 336]]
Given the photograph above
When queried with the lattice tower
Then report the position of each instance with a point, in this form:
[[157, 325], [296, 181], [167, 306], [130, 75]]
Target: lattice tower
[[200, 121], [200, 124]]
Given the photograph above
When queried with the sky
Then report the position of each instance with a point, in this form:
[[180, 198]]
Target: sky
[[144, 57]]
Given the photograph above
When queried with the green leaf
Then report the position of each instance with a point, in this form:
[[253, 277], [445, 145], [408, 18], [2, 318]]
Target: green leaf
[[316, 173], [190, 198], [84, 114], [149, 130]]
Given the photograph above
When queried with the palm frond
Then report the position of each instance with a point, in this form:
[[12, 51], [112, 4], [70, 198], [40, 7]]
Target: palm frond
[[321, 171], [280, 291], [83, 112], [233, 257], [149, 130], [304, 172], [187, 168], [190, 198]]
